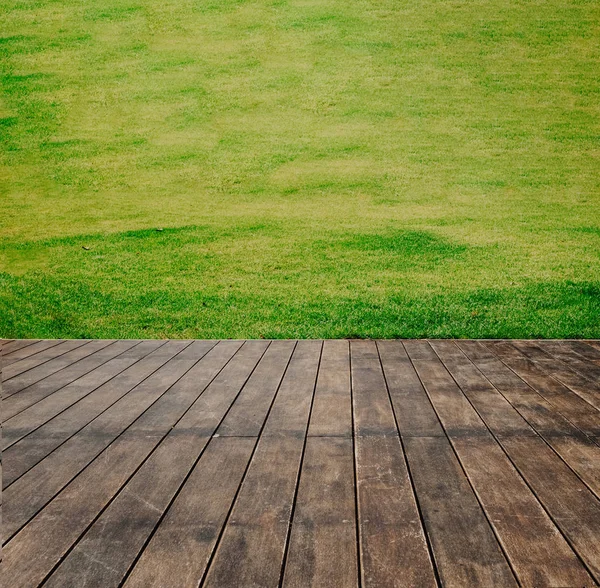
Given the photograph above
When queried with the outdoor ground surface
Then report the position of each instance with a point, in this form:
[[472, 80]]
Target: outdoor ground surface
[[319, 169]]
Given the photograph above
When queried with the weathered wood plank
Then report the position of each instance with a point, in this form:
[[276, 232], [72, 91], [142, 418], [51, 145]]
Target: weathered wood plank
[[576, 449], [372, 408], [332, 409], [584, 349], [50, 474], [393, 547], [574, 509], [119, 534], [252, 547], [28, 357], [36, 374], [249, 411], [494, 409], [587, 389], [35, 446], [539, 554], [574, 360], [453, 408], [55, 528], [179, 552], [323, 544], [78, 375], [566, 402], [414, 414], [41, 359], [253, 467], [464, 547], [29, 351], [11, 345]]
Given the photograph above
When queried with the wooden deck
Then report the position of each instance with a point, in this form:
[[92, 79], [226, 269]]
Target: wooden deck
[[309, 463]]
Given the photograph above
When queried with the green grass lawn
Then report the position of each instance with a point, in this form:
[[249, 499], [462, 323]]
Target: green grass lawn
[[300, 168]]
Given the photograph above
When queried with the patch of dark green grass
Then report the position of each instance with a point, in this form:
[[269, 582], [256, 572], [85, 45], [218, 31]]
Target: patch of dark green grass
[[266, 280]]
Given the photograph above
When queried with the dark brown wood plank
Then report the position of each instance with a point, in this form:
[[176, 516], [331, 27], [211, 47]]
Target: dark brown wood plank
[[393, 547], [414, 414], [119, 534], [372, 408], [463, 544], [453, 408], [15, 344], [587, 389], [584, 349], [419, 349], [459, 421], [575, 448], [35, 446], [179, 551], [79, 375], [252, 547], [494, 409], [574, 360], [249, 411], [323, 545], [538, 553], [30, 351], [54, 529], [566, 402], [52, 366], [49, 474], [39, 360], [574, 509], [465, 549], [332, 408]]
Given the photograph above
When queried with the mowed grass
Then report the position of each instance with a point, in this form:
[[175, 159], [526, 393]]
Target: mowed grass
[[300, 168]]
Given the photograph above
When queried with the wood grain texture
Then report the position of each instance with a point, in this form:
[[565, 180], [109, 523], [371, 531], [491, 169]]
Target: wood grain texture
[[323, 540], [465, 548], [252, 548], [78, 374], [29, 351], [34, 375], [332, 410], [301, 463], [118, 536], [55, 528], [178, 553], [39, 363], [393, 548]]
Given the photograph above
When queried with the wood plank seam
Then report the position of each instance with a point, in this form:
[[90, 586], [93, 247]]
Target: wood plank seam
[[356, 513], [538, 434], [182, 485], [410, 475], [524, 479], [60, 369], [79, 473], [541, 366], [222, 530], [140, 465], [17, 373], [77, 402], [482, 509], [299, 474], [557, 409]]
